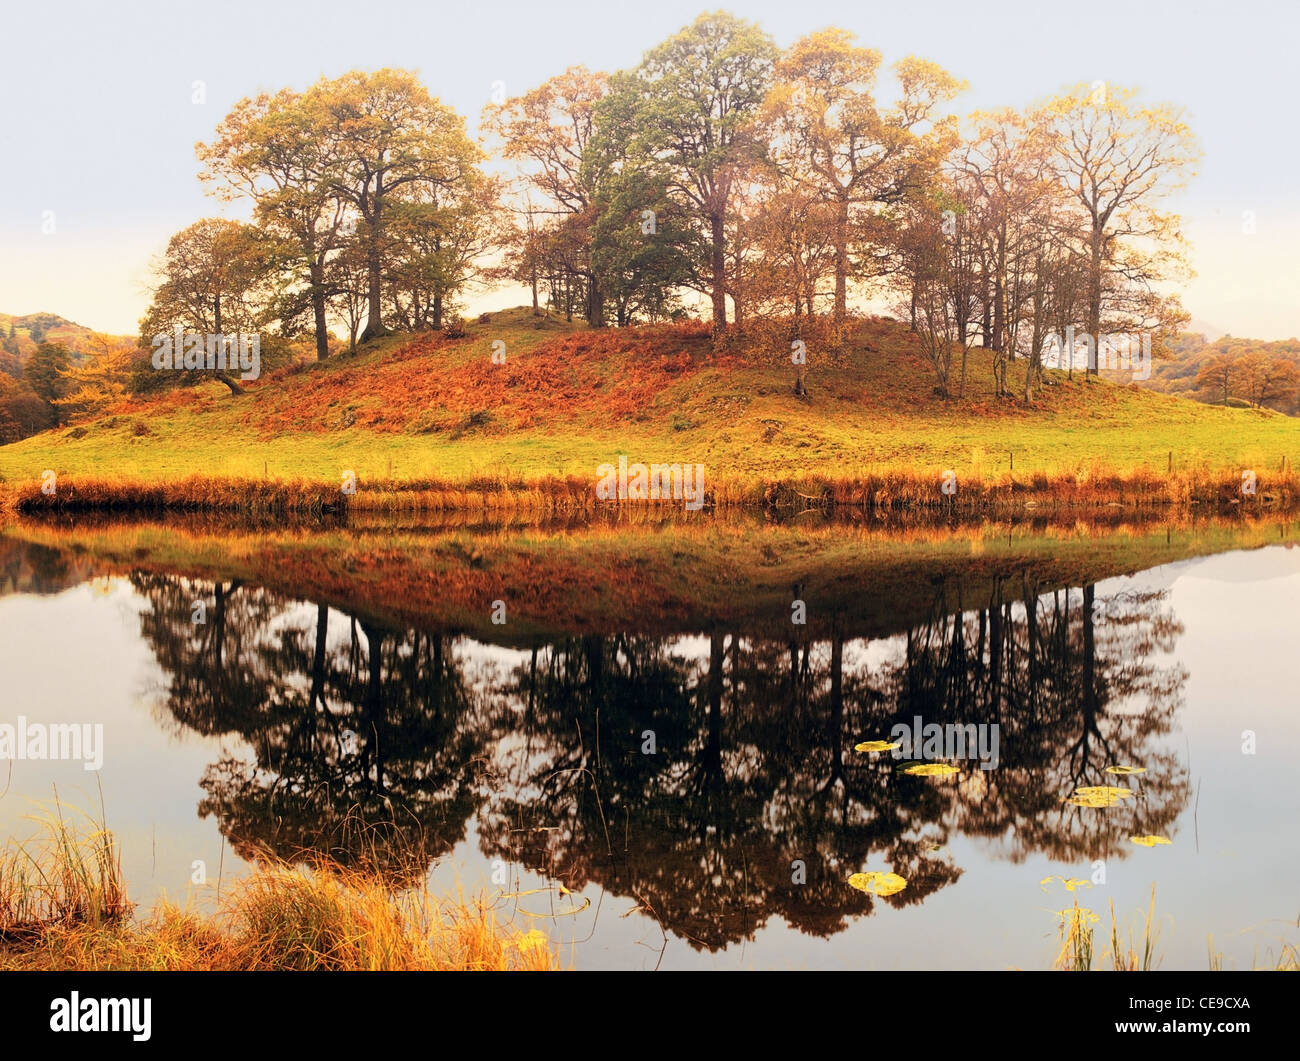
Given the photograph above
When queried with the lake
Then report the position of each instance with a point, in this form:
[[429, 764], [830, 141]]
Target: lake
[[624, 734]]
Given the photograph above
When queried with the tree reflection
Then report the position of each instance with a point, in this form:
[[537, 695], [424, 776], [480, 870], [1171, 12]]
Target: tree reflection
[[713, 779]]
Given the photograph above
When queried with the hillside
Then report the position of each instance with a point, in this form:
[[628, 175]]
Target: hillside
[[20, 335], [567, 399], [1243, 360]]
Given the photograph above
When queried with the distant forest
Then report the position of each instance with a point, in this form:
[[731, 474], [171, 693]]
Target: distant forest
[[1231, 371]]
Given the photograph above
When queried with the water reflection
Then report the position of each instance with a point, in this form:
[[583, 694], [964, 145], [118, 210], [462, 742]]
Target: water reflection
[[692, 774]]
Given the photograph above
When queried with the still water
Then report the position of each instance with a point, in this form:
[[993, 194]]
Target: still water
[[688, 794]]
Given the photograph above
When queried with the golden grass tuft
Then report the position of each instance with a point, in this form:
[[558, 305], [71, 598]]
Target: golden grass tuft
[[63, 907]]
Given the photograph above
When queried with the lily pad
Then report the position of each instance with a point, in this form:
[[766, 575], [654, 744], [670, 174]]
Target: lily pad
[[930, 769], [1125, 770], [1150, 841], [878, 883], [1098, 796], [876, 746]]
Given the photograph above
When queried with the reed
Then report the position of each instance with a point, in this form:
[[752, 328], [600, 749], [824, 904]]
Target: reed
[[886, 490], [63, 906]]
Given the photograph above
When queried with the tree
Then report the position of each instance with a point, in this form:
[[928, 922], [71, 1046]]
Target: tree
[[214, 280], [271, 148], [1268, 380], [550, 131], [1220, 374], [434, 238], [1003, 176], [384, 138], [101, 375], [1118, 160], [46, 373], [829, 134], [690, 106]]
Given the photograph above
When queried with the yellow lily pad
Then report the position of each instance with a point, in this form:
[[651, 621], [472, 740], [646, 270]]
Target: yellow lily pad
[[931, 770], [1098, 796], [1149, 841], [1125, 770], [878, 883], [876, 746]]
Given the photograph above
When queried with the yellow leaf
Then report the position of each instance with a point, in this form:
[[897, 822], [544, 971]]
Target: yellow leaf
[[878, 883], [1098, 796], [876, 746], [1126, 769], [931, 769], [1149, 841]]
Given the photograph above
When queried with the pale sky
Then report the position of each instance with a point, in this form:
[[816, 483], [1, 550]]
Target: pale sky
[[99, 128]]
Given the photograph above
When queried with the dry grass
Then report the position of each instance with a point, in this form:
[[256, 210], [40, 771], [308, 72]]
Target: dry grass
[[63, 906], [1077, 950], [900, 490]]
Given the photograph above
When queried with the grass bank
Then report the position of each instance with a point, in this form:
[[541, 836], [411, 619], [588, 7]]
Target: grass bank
[[63, 906], [427, 423]]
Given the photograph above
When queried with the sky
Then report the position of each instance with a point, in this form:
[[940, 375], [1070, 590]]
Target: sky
[[100, 118]]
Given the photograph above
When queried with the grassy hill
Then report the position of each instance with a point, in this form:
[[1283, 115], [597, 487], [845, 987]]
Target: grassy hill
[[420, 411]]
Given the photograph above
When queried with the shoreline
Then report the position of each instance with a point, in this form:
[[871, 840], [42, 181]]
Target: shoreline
[[931, 490]]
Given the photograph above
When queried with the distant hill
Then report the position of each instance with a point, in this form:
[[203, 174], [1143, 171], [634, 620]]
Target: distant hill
[[1193, 351], [20, 335], [26, 390]]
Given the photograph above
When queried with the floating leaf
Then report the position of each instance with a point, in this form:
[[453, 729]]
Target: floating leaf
[[1149, 841], [1070, 884], [878, 883], [1124, 770], [930, 769], [876, 746], [1098, 796]]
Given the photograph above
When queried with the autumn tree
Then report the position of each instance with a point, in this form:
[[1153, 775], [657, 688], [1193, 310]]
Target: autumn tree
[[1119, 160], [271, 149], [1268, 381], [100, 376], [1220, 375], [831, 135], [548, 133], [690, 107], [385, 140], [216, 277]]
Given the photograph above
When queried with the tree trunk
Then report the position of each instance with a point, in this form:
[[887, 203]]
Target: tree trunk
[[595, 304], [374, 266], [1094, 298], [842, 262], [719, 278], [317, 273]]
